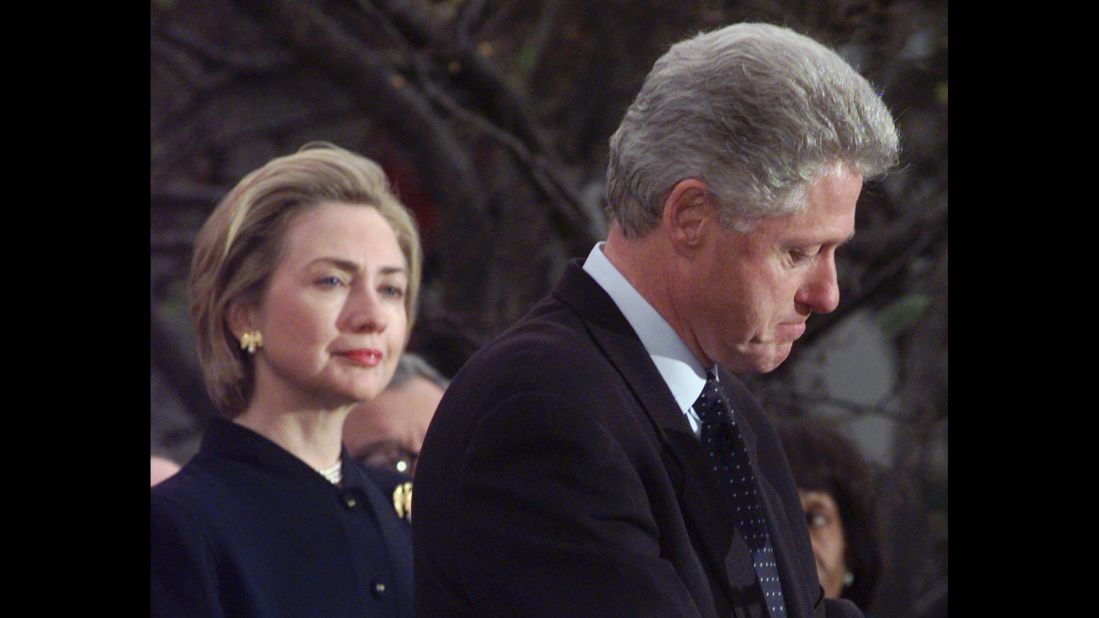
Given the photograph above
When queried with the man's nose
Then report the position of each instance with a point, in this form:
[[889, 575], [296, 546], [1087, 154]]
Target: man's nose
[[820, 292]]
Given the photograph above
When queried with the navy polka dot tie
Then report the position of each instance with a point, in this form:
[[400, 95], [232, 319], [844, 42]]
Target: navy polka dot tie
[[725, 451]]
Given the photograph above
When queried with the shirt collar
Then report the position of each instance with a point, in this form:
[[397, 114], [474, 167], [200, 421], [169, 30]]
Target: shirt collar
[[682, 372]]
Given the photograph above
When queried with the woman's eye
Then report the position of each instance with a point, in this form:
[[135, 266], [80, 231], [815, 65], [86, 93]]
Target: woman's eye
[[331, 281], [393, 291]]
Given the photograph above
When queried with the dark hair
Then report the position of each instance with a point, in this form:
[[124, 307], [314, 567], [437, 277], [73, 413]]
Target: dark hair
[[821, 459]]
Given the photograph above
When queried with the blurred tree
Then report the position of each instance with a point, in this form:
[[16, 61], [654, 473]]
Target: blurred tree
[[492, 119]]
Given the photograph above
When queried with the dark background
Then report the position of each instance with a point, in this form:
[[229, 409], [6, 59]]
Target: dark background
[[492, 120]]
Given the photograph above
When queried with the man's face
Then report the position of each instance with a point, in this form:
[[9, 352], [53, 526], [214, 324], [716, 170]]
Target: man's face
[[746, 297], [388, 430]]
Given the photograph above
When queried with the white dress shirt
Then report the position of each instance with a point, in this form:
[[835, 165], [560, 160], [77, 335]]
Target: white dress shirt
[[682, 372]]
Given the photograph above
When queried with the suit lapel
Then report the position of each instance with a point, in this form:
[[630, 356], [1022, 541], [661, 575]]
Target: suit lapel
[[704, 506]]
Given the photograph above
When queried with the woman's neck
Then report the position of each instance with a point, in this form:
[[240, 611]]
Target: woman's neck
[[312, 435]]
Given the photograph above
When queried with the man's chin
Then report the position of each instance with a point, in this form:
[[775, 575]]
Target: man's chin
[[759, 359]]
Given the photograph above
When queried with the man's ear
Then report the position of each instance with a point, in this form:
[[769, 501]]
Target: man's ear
[[689, 209], [241, 318]]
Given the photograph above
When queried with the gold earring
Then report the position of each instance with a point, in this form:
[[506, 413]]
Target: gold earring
[[251, 340]]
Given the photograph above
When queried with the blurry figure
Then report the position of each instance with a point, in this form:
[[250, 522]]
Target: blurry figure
[[388, 430], [836, 491], [160, 469]]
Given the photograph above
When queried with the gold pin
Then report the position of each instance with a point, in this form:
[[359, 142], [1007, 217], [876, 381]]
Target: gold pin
[[402, 501]]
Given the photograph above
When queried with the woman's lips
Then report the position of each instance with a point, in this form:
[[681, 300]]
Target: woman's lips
[[365, 357]]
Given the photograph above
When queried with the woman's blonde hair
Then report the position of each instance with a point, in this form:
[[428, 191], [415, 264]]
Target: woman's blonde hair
[[240, 245]]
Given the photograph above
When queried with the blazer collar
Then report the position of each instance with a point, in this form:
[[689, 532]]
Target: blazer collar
[[229, 440], [702, 504], [620, 344], [705, 508]]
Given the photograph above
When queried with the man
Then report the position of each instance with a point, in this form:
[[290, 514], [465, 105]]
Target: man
[[388, 430], [599, 458]]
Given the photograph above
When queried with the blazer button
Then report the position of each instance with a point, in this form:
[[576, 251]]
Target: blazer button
[[350, 501], [379, 587]]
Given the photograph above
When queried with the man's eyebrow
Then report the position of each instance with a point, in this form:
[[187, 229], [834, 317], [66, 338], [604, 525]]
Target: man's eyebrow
[[823, 242]]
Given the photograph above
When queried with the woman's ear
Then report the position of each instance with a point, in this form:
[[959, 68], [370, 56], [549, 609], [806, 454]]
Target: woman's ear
[[241, 318]]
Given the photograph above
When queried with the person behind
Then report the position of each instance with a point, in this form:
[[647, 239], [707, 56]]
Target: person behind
[[304, 283], [388, 430], [600, 458], [836, 491], [160, 468]]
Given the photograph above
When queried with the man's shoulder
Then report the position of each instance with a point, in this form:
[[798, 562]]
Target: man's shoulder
[[555, 357], [549, 344], [549, 355]]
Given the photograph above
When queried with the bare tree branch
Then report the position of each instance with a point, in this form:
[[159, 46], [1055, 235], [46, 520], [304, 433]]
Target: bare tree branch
[[241, 63], [195, 132], [528, 146], [452, 180]]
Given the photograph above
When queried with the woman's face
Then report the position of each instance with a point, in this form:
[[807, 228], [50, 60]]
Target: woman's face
[[826, 534], [333, 317]]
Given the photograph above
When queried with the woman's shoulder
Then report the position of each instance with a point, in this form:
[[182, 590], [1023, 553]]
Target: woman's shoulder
[[190, 492], [209, 491]]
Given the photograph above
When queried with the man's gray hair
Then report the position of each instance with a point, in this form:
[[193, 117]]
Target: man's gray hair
[[758, 113], [411, 365]]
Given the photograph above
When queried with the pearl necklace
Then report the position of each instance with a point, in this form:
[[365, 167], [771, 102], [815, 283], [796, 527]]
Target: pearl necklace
[[333, 474]]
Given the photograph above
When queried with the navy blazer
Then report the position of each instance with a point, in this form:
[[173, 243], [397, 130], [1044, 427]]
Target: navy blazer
[[247, 529], [559, 478]]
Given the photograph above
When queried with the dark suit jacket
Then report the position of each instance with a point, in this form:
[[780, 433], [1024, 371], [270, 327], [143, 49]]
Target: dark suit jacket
[[247, 529], [559, 478]]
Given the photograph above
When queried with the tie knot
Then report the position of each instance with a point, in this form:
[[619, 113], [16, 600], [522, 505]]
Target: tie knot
[[710, 405]]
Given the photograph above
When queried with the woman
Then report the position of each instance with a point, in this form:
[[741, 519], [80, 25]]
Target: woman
[[304, 285], [836, 490]]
